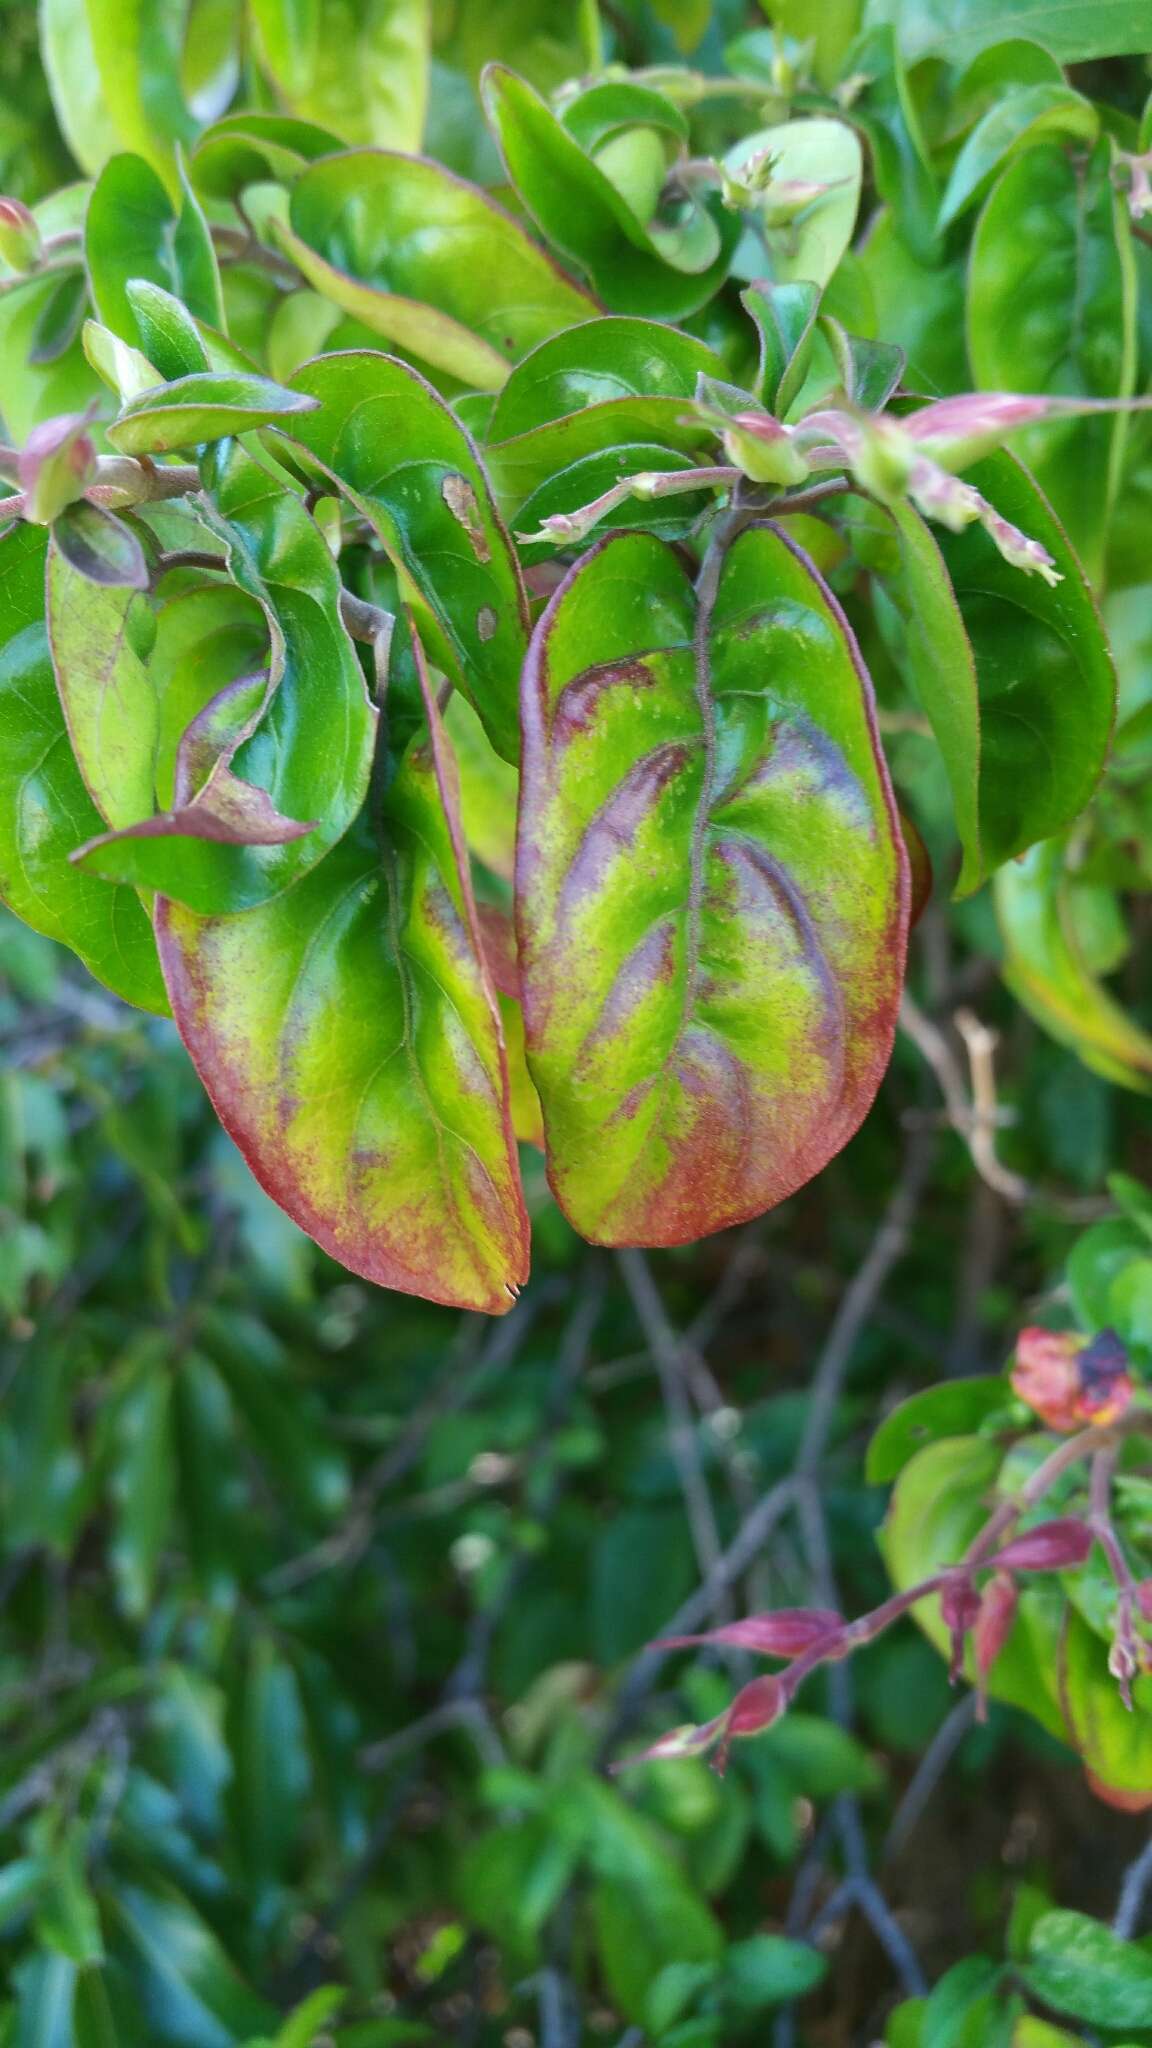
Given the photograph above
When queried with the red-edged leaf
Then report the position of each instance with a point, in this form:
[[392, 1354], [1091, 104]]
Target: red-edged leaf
[[347, 1033], [211, 802], [712, 889], [785, 1634]]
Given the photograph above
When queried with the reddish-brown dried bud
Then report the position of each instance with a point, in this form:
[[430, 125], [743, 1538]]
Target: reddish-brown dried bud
[[1068, 1380], [754, 1708], [787, 1633], [959, 1606], [1050, 1547]]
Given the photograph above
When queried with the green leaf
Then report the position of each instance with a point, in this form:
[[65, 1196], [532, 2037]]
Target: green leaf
[[189, 1989], [302, 734], [101, 637], [68, 1920], [920, 308], [960, 29], [1115, 1745], [584, 215], [205, 407], [358, 66], [33, 392], [1080, 1967], [1052, 307], [100, 547], [658, 430], [143, 1481], [59, 321], [309, 2019], [888, 115], [170, 336], [785, 315], [1009, 125], [955, 1408], [768, 1970], [395, 450], [962, 1989], [428, 261], [70, 64], [45, 810], [254, 148], [45, 1987], [599, 361], [348, 1036], [811, 247], [133, 230], [273, 1770], [136, 47], [1046, 682], [710, 977], [1045, 970]]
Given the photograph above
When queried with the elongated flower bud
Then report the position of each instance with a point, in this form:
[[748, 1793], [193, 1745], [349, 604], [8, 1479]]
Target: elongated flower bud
[[57, 464], [787, 1633], [19, 235], [1049, 1547]]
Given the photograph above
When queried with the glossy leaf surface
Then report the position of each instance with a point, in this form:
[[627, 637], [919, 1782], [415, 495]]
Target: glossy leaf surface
[[1045, 678], [598, 361], [347, 1034], [304, 737], [1051, 307], [358, 66], [45, 810], [712, 889], [429, 261], [583, 214], [1046, 971], [134, 230], [402, 459], [824, 152], [207, 406], [252, 147], [100, 640]]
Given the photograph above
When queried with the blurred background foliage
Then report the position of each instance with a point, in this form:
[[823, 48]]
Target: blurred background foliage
[[321, 1608]]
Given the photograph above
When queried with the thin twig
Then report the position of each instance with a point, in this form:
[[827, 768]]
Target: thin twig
[[682, 1437]]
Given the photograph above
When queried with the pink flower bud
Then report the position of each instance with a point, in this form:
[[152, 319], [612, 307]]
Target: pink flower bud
[[689, 1740], [788, 1633], [957, 431], [19, 235], [57, 463], [1049, 1547], [757, 444], [754, 1708], [1124, 1664]]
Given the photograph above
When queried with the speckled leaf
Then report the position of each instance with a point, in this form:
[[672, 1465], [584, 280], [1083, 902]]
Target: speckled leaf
[[207, 406], [347, 1034], [45, 809], [429, 261], [310, 751], [401, 457], [582, 213], [712, 891]]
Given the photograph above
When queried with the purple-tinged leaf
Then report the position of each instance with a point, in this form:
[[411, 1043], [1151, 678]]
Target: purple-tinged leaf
[[712, 890], [100, 547], [1050, 1547], [347, 1033], [57, 463], [210, 801], [787, 1633]]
